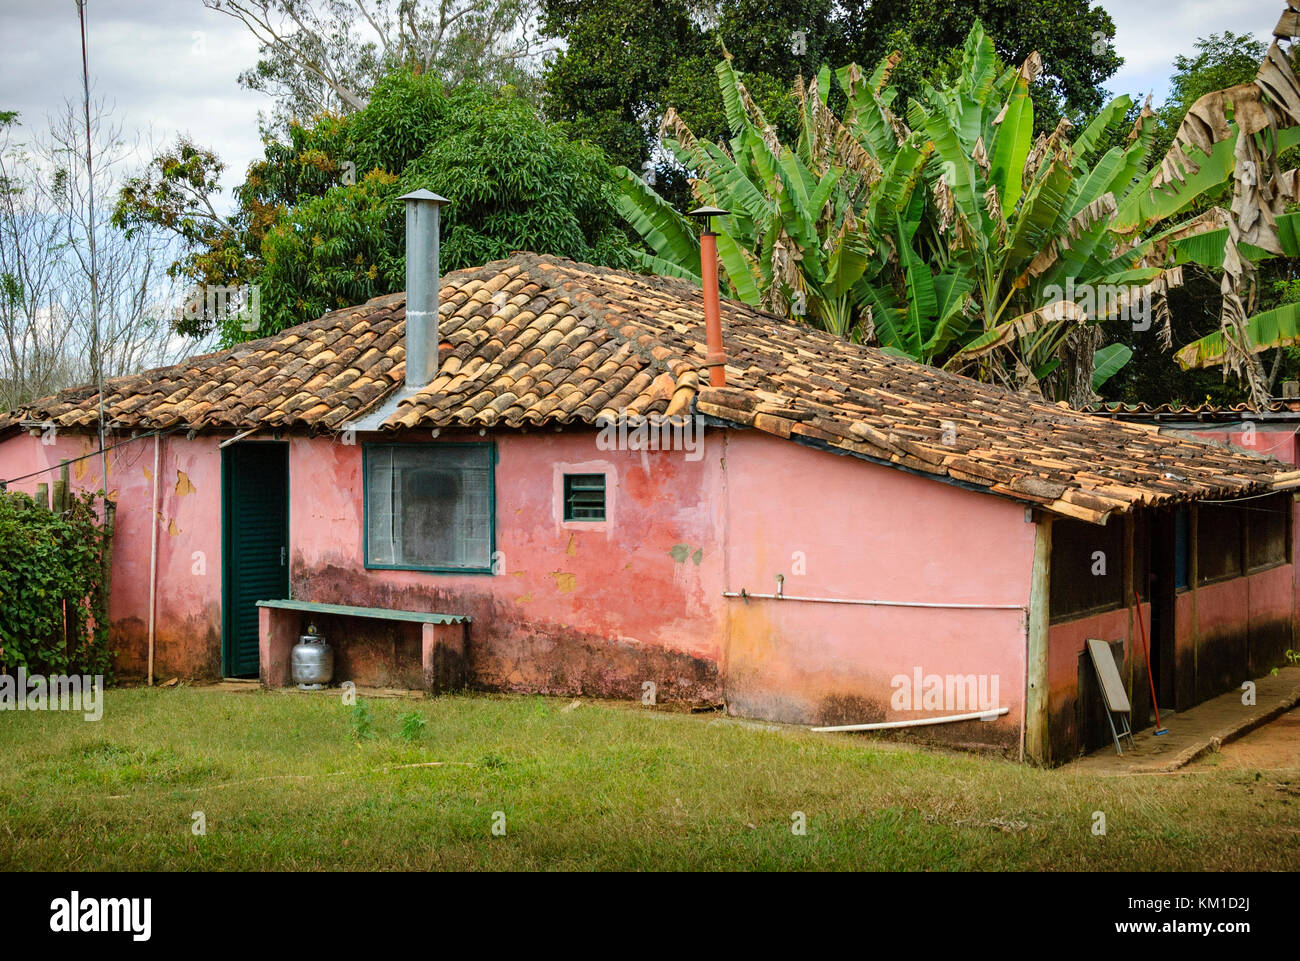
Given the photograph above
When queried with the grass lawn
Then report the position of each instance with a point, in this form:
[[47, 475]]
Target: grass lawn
[[285, 782]]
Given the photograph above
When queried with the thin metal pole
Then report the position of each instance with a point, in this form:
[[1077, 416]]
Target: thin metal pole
[[96, 357]]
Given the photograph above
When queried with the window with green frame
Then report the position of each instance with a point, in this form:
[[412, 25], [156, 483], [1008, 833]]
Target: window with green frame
[[429, 506], [584, 497]]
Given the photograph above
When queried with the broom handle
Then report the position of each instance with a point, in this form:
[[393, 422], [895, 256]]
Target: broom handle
[[1142, 629]]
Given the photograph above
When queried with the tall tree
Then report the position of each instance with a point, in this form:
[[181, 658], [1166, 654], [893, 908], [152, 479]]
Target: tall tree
[[1246, 131], [623, 64], [319, 225], [325, 55], [47, 339], [1073, 39], [1153, 376], [952, 235]]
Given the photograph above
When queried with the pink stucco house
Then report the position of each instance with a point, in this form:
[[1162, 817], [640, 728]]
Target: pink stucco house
[[812, 542]]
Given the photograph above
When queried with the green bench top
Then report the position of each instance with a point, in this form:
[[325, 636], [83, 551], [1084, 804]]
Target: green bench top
[[422, 617]]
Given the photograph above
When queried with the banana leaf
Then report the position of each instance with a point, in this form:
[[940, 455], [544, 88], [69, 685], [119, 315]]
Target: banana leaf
[[1107, 362], [1279, 327], [662, 228]]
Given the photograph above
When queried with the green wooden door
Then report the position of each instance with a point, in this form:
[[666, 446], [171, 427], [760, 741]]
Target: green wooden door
[[255, 542]]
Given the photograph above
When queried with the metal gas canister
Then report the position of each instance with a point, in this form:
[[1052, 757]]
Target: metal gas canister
[[312, 661]]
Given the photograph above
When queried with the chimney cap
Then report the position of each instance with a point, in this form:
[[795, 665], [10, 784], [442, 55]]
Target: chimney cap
[[706, 215], [708, 212], [424, 195]]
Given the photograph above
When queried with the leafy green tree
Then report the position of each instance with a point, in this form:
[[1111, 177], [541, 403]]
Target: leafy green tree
[[1218, 62], [324, 56], [319, 226], [624, 63], [1249, 132], [1073, 39], [1153, 376], [515, 183]]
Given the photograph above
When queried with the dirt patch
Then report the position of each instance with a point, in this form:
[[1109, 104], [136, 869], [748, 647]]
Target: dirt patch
[[1273, 746]]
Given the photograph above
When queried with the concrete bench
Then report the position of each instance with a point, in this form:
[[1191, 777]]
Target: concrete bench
[[444, 641]]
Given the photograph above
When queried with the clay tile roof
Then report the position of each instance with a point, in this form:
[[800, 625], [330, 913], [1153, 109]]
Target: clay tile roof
[[538, 340], [1277, 408]]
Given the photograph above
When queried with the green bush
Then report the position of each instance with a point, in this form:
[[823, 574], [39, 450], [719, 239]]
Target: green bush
[[515, 182], [52, 616]]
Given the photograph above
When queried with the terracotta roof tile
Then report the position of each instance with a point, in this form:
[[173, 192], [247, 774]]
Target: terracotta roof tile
[[537, 340]]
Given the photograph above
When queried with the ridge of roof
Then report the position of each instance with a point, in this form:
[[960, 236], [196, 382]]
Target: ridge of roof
[[534, 340]]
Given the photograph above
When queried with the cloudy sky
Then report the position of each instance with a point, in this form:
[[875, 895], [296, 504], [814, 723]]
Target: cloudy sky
[[170, 66], [1150, 33]]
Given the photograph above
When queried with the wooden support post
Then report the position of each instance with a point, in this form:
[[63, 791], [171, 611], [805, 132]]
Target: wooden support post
[[59, 501], [1037, 743], [1193, 582], [43, 495], [1130, 584]]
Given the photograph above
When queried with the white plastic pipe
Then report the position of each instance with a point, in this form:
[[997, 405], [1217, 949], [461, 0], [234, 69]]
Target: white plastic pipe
[[919, 722], [238, 437], [853, 600]]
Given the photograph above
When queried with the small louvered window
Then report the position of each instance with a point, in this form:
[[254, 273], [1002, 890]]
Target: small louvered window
[[584, 497]]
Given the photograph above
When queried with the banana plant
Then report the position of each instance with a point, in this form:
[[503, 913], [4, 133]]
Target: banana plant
[[1270, 329], [1031, 222], [954, 237], [795, 241]]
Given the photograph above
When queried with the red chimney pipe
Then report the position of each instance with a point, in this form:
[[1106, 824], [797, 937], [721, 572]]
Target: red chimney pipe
[[715, 357]]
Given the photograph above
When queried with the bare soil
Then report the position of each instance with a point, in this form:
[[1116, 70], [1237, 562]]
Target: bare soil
[[1274, 746]]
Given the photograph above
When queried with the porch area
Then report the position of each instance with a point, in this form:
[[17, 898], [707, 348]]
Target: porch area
[[1197, 730]]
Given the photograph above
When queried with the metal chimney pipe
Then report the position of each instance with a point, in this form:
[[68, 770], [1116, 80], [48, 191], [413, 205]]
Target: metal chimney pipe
[[715, 357], [423, 215]]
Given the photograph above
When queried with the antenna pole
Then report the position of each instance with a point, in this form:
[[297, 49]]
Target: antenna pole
[[96, 355]]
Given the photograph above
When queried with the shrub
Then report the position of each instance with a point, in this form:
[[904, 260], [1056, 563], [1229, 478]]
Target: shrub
[[53, 619]]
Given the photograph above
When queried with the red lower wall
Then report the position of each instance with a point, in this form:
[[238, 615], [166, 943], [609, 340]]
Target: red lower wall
[[1224, 633]]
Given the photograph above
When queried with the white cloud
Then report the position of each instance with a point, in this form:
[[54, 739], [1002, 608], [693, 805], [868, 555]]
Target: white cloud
[[165, 67], [1150, 33]]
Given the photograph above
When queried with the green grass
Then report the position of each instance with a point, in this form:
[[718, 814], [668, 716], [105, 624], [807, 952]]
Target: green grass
[[303, 782]]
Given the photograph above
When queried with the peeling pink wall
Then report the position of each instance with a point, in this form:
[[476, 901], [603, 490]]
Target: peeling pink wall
[[860, 530], [595, 608], [601, 608], [188, 607]]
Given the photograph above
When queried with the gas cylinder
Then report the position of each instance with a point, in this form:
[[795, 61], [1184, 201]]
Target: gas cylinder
[[313, 661]]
